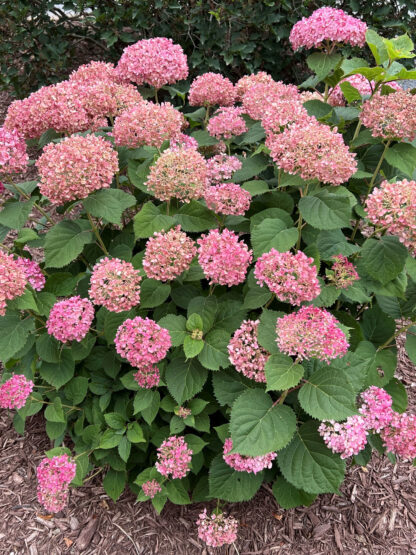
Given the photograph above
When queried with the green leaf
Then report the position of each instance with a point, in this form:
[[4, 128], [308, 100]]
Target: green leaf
[[13, 335], [318, 109], [207, 308], [115, 420], [214, 354], [149, 220], [377, 46], [403, 157], [256, 297], [142, 400], [411, 344], [59, 373], [328, 396], [194, 217], [383, 258], [150, 412], [228, 386], [124, 448], [377, 327], [334, 242], [176, 325], [135, 433], [257, 427], [65, 241], [112, 321], [266, 331], [309, 465], [194, 322], [381, 365], [24, 302], [109, 204], [204, 138], [138, 171], [325, 210], [228, 484], [272, 234], [252, 167], [290, 497], [109, 439], [48, 348], [398, 393], [253, 135], [76, 389], [15, 214], [282, 373], [351, 93], [185, 378], [192, 347], [195, 443], [54, 412], [114, 483], [322, 64], [153, 293], [256, 187]]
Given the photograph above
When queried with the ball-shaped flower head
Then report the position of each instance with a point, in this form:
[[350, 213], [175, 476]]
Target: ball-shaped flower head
[[183, 141], [227, 198], [247, 81], [223, 258], [151, 488], [280, 113], [246, 354], [115, 284], [393, 206], [293, 278], [15, 391], [94, 72], [221, 167], [376, 409], [212, 89], [217, 529], [75, 167], [242, 463], [142, 342], [345, 438], [262, 95], [311, 332], [179, 173], [226, 123], [70, 319], [13, 154], [313, 151], [33, 273], [173, 457], [326, 26], [168, 254], [13, 280], [391, 116], [399, 437], [362, 84], [54, 476], [147, 376], [343, 272], [148, 124], [155, 62]]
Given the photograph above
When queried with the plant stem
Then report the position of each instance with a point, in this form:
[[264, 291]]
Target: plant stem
[[97, 234], [357, 130], [41, 210], [387, 344], [386, 146], [269, 302], [211, 288], [156, 96], [206, 116], [299, 232]]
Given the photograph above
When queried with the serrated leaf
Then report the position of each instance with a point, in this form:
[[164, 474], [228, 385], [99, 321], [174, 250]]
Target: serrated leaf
[[153, 293], [76, 390], [282, 373], [322, 64], [124, 448], [256, 297], [194, 217], [290, 497], [48, 348], [266, 330], [333, 242], [411, 344], [326, 210], [256, 187], [185, 378], [214, 354], [252, 167], [115, 420], [109, 204], [114, 483], [65, 241], [272, 234], [207, 308], [192, 347], [177, 493], [58, 373], [383, 258], [228, 386], [150, 219], [13, 335], [14, 214], [228, 484], [176, 325]]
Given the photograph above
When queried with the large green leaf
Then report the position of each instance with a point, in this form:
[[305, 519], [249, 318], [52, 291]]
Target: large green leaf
[[326, 210], [194, 217], [411, 344], [207, 308], [252, 167], [59, 373], [150, 219], [322, 64], [13, 335], [65, 241], [214, 355], [229, 385], [153, 293], [176, 325], [15, 214], [272, 234], [381, 365], [228, 484], [384, 258], [185, 378], [282, 373], [114, 483], [334, 242], [109, 204], [290, 497], [266, 331]]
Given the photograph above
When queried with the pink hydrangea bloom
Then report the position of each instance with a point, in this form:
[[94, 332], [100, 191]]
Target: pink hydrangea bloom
[[314, 151], [168, 254], [391, 116], [399, 436], [70, 319], [54, 476], [292, 277], [95, 71], [151, 488], [327, 25], [183, 412], [221, 167], [223, 258], [242, 463], [173, 458], [142, 342], [247, 81], [210, 89], [226, 123], [261, 96], [245, 353], [147, 376], [376, 408], [227, 198], [311, 332], [217, 530], [280, 113], [183, 141], [347, 438], [148, 124], [115, 284], [343, 273], [155, 62], [33, 273], [13, 280], [180, 173], [393, 206], [13, 155], [359, 82], [306, 96], [15, 391], [75, 167]]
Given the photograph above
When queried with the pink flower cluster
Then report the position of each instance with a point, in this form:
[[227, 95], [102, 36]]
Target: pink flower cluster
[[246, 82], [327, 25], [54, 476], [183, 412], [183, 141], [227, 198], [292, 277], [245, 353], [151, 488], [221, 167], [391, 116], [399, 436], [282, 112], [311, 332], [142, 342], [314, 151], [226, 123], [168, 254], [33, 273], [173, 457], [359, 82], [15, 391], [264, 94], [70, 319], [393, 206], [210, 89], [12, 280], [115, 284], [75, 167], [242, 463], [13, 155], [180, 173], [217, 530], [155, 62], [105, 99], [148, 124], [223, 258], [94, 72], [376, 408], [347, 438], [343, 273], [147, 376]]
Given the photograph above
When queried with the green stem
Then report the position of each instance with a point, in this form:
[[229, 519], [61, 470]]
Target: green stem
[[357, 130], [299, 232], [387, 344], [326, 92], [386, 146], [156, 96], [211, 288], [97, 234], [167, 207], [41, 210], [206, 116], [269, 302]]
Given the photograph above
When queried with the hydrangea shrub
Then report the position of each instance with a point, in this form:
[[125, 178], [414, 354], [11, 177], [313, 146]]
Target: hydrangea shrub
[[221, 280]]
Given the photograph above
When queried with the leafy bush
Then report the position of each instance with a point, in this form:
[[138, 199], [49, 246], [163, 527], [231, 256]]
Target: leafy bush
[[244, 363]]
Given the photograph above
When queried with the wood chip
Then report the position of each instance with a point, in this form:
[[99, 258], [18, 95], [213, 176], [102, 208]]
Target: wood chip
[[87, 533]]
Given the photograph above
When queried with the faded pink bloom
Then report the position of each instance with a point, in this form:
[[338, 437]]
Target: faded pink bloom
[[13, 280], [343, 273], [376, 408], [223, 258], [115, 284], [227, 198], [311, 332], [104, 99], [70, 319], [15, 391], [173, 458], [151, 488], [306, 96], [183, 141], [226, 123], [13, 155], [245, 353], [399, 436], [327, 25], [142, 342], [54, 476], [168, 254], [280, 113], [261, 96], [183, 412], [221, 167], [155, 62], [347, 438], [247, 81], [217, 530], [210, 89], [33, 273], [94, 72], [242, 463], [147, 376]]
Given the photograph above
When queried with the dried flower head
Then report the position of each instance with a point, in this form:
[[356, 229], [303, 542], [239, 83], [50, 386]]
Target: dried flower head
[[217, 530]]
